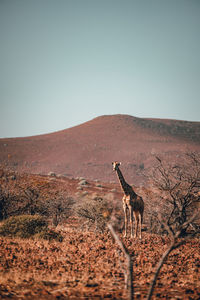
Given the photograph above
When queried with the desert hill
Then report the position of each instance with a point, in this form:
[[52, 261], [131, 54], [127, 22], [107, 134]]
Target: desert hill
[[87, 150]]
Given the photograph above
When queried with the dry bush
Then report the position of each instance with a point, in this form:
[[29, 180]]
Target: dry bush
[[59, 208], [19, 200], [27, 226], [95, 211], [49, 235], [23, 226], [3, 200], [20, 196]]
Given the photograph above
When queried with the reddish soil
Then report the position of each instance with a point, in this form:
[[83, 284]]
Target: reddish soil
[[86, 266], [88, 149]]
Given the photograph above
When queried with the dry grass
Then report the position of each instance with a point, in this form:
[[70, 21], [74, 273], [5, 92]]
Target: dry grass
[[86, 264]]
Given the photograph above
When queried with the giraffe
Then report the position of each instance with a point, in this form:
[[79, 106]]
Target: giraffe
[[131, 201]]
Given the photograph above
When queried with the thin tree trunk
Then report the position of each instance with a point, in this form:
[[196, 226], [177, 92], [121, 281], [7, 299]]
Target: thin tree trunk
[[129, 263], [159, 266]]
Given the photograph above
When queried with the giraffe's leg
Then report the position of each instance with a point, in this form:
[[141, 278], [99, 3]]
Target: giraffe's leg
[[136, 224], [131, 219], [140, 221], [125, 219]]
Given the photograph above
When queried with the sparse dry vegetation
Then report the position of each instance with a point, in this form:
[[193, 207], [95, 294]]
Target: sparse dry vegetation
[[24, 226], [27, 226], [95, 212], [88, 263], [179, 186]]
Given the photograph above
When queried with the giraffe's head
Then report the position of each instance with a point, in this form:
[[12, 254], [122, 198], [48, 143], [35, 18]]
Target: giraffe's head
[[116, 165]]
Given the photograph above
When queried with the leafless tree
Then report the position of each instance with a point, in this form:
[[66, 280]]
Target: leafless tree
[[179, 185], [128, 270]]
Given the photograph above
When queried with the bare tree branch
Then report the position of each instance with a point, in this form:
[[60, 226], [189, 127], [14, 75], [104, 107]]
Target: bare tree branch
[[173, 245], [159, 266], [179, 184], [129, 264]]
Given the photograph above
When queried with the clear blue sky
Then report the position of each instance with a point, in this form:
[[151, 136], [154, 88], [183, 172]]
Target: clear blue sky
[[64, 62]]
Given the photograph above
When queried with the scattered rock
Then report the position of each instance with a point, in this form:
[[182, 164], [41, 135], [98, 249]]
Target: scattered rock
[[79, 188], [99, 185], [59, 175], [83, 182], [53, 174], [85, 193]]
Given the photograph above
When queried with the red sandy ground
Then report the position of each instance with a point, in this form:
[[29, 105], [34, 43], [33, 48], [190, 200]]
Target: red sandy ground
[[86, 266]]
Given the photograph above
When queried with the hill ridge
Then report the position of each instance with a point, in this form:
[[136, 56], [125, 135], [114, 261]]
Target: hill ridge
[[87, 150]]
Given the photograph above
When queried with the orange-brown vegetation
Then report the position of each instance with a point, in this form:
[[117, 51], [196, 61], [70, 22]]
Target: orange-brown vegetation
[[86, 264]]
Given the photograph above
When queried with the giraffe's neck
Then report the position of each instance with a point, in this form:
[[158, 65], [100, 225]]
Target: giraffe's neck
[[125, 186]]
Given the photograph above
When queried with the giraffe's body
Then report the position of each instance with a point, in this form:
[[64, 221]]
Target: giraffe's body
[[131, 201]]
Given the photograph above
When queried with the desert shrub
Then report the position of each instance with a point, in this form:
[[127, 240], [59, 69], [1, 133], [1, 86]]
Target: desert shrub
[[141, 166], [26, 226], [50, 235], [2, 205], [27, 200], [95, 211], [23, 226], [59, 208], [20, 202]]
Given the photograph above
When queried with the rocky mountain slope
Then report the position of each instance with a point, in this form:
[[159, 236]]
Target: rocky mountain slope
[[88, 149]]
